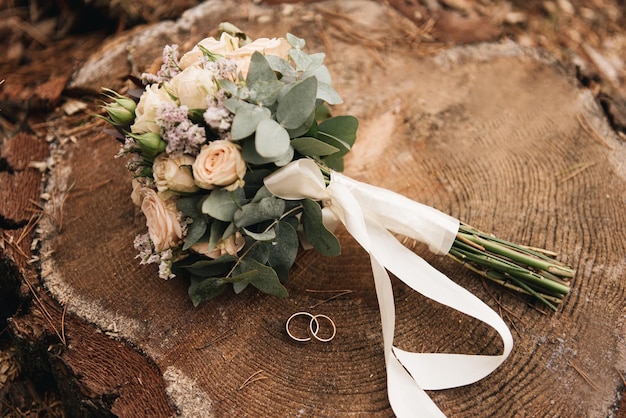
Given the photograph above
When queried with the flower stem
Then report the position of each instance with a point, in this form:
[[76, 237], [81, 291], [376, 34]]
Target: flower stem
[[523, 269]]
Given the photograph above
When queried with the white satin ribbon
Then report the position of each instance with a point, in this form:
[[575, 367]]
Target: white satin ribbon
[[369, 213]]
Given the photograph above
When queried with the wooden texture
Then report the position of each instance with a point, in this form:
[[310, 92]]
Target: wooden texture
[[495, 135]]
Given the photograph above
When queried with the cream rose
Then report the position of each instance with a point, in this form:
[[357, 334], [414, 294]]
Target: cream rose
[[192, 86], [223, 46], [173, 173], [219, 163], [162, 221], [228, 47], [138, 191], [231, 245], [146, 111]]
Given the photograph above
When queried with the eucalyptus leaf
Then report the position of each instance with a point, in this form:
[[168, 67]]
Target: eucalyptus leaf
[[201, 290], [281, 66], [312, 147], [265, 93], [320, 238], [265, 279], [339, 128], [334, 161], [196, 229], [247, 117], [259, 70], [228, 86], [266, 209], [271, 140], [208, 267], [295, 107], [222, 204], [239, 287], [217, 230], [294, 41], [327, 93], [301, 59], [284, 249], [268, 235], [286, 158], [260, 194], [257, 251], [304, 128], [250, 154]]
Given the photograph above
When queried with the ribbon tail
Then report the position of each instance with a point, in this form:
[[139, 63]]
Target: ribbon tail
[[438, 370], [406, 398]]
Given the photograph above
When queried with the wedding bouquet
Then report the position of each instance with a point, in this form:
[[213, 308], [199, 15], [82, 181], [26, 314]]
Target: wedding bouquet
[[236, 160]]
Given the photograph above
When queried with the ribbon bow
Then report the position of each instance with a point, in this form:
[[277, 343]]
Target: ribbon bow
[[369, 213]]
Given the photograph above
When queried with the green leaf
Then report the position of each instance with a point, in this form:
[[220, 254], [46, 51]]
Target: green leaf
[[264, 279], [295, 107], [283, 250], [281, 66], [327, 93], [312, 147], [201, 290], [259, 70], [229, 86], [208, 267], [304, 128], [239, 287], [250, 154], [320, 238], [294, 41], [271, 139], [268, 235], [334, 162], [222, 204], [286, 158], [268, 208], [196, 230], [260, 194], [257, 251], [217, 230], [247, 117], [340, 128]]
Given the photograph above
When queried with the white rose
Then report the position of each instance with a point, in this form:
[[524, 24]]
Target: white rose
[[173, 173], [162, 221], [231, 245], [146, 111], [274, 46], [219, 163], [223, 46], [192, 86]]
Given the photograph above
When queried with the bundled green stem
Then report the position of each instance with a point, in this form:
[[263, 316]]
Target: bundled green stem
[[530, 271]]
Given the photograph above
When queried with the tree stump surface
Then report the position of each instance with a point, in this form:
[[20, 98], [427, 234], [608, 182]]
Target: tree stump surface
[[496, 135]]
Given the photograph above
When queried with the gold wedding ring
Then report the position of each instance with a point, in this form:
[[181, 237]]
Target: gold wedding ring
[[313, 328]]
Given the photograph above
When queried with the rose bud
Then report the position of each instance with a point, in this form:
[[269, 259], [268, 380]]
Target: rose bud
[[150, 143]]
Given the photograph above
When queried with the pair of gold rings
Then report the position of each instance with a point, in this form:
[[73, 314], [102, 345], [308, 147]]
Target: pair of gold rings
[[313, 328]]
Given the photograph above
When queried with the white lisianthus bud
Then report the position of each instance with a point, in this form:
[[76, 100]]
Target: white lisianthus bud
[[162, 220], [219, 163], [192, 86], [146, 110], [173, 173], [230, 245]]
